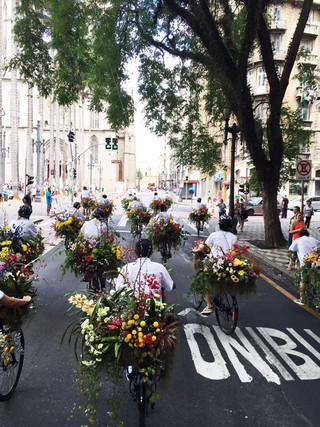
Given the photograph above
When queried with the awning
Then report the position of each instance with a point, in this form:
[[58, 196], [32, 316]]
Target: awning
[[216, 179], [191, 181], [226, 183]]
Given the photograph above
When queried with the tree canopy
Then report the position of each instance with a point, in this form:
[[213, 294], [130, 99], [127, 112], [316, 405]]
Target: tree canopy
[[69, 46]]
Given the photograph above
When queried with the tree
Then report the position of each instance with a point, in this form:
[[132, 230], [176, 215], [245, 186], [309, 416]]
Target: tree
[[211, 43]]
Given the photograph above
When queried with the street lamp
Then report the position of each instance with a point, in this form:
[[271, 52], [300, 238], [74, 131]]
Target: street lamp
[[38, 143], [234, 130], [3, 155]]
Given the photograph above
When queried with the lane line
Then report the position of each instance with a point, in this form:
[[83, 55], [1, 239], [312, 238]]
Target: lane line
[[290, 296]]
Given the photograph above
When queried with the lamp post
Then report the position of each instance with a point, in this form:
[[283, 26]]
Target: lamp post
[[38, 145], [234, 130], [3, 157]]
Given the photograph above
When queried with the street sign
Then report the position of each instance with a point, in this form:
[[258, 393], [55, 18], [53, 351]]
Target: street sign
[[303, 169]]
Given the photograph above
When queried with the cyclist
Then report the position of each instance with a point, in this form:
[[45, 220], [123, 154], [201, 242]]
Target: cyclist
[[23, 224], [134, 204], [104, 200], [76, 212], [200, 206], [163, 213], [143, 274], [219, 242], [95, 227]]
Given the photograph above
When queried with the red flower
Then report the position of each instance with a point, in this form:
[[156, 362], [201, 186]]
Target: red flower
[[88, 258]]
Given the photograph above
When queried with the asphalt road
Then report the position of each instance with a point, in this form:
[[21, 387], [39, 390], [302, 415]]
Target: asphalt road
[[266, 374]]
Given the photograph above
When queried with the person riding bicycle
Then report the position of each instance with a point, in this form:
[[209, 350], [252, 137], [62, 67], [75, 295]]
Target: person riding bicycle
[[104, 200], [76, 212], [24, 226], [95, 227], [135, 204], [163, 213], [144, 275], [200, 206], [220, 242]]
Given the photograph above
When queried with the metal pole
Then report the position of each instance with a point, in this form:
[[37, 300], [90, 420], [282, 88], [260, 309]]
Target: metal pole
[[302, 194], [4, 158], [38, 151], [233, 130], [90, 166]]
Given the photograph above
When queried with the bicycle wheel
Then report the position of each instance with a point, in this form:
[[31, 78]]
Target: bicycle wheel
[[10, 369], [226, 309], [198, 227], [142, 404], [163, 248]]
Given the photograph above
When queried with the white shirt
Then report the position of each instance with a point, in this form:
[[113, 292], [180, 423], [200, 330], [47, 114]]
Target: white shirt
[[304, 246], [93, 228], [134, 204], [146, 275], [157, 197], [85, 194], [200, 205], [26, 227], [104, 201], [164, 215], [220, 242], [76, 213]]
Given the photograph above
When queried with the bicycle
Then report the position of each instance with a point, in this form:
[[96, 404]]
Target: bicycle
[[164, 251], [198, 227], [225, 308], [137, 233], [12, 362]]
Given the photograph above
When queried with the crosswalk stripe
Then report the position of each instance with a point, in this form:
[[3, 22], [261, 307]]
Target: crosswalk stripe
[[123, 221]]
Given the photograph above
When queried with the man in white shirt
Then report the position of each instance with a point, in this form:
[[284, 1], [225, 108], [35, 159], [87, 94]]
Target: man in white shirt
[[85, 193], [104, 200], [303, 246], [23, 225], [144, 275], [95, 227], [163, 213], [135, 204], [200, 205], [156, 197], [76, 212], [220, 242]]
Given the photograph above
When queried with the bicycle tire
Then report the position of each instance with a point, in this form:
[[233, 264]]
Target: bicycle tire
[[163, 248], [10, 373], [226, 310], [197, 299], [142, 404], [198, 227]]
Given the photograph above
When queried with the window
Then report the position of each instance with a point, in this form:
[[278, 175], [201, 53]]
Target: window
[[276, 15], [306, 45], [261, 80], [276, 42], [305, 112], [94, 120], [310, 17], [260, 111], [95, 153], [250, 79]]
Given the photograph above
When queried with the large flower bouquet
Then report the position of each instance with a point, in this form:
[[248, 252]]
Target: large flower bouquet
[[107, 208], [199, 215], [200, 256], [138, 216], [309, 274], [89, 204], [166, 230], [168, 201], [234, 272], [68, 228], [91, 257], [121, 329], [126, 202], [155, 205]]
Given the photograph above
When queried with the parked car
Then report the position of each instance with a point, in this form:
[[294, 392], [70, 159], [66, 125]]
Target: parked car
[[254, 206], [315, 202]]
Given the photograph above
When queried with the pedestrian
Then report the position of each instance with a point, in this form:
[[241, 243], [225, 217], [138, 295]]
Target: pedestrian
[[222, 207], [242, 215], [296, 210], [22, 224], [135, 204], [209, 196], [284, 206], [48, 200], [308, 212], [303, 246], [34, 193], [27, 199], [296, 226], [236, 214]]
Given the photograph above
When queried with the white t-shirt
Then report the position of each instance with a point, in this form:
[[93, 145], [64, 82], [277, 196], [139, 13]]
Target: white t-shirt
[[147, 275], [104, 201], [76, 213], [304, 246], [220, 242], [85, 194], [93, 228], [26, 227], [134, 204], [200, 205], [163, 215]]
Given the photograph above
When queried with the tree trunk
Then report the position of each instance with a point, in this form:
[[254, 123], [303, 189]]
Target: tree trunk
[[272, 228]]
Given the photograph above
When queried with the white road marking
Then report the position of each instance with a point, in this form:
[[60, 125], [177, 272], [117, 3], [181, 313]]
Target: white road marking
[[314, 336], [299, 338], [123, 221]]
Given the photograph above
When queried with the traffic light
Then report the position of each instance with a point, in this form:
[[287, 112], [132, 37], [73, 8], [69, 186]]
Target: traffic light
[[114, 143], [187, 178], [71, 136], [241, 188], [29, 179], [108, 143], [74, 173]]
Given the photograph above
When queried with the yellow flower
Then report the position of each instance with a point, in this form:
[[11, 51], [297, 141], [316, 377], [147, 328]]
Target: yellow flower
[[123, 325], [11, 349], [129, 336], [140, 334], [139, 329], [134, 332], [241, 273], [136, 316], [237, 262], [157, 330], [153, 338], [6, 243], [142, 323], [6, 350], [24, 247], [155, 324]]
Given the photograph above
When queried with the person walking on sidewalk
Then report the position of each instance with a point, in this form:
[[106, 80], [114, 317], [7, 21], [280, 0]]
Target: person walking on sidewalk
[[296, 226], [296, 210], [308, 212], [303, 246], [49, 200], [284, 207], [242, 215], [222, 208]]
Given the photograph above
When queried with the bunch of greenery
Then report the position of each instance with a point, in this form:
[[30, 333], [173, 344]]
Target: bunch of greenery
[[309, 274]]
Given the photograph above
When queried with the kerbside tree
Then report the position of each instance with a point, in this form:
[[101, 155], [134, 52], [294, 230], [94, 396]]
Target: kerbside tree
[[68, 46]]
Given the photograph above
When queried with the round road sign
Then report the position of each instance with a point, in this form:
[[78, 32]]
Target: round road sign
[[303, 169]]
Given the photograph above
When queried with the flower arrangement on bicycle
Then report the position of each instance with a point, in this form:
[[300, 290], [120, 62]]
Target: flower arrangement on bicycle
[[201, 214], [168, 201], [91, 257], [125, 203], [107, 208], [234, 272], [138, 217], [68, 228], [7, 347], [166, 230], [155, 205], [200, 256], [122, 329], [309, 274], [89, 204]]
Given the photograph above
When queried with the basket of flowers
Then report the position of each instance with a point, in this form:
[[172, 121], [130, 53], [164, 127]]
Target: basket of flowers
[[89, 204], [199, 257], [155, 205], [125, 203], [168, 201], [91, 257], [107, 208], [199, 215], [234, 273], [166, 230], [309, 274], [121, 329], [138, 216], [68, 228]]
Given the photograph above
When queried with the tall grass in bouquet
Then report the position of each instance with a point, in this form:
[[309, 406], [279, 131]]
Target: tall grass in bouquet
[[166, 230], [117, 330]]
